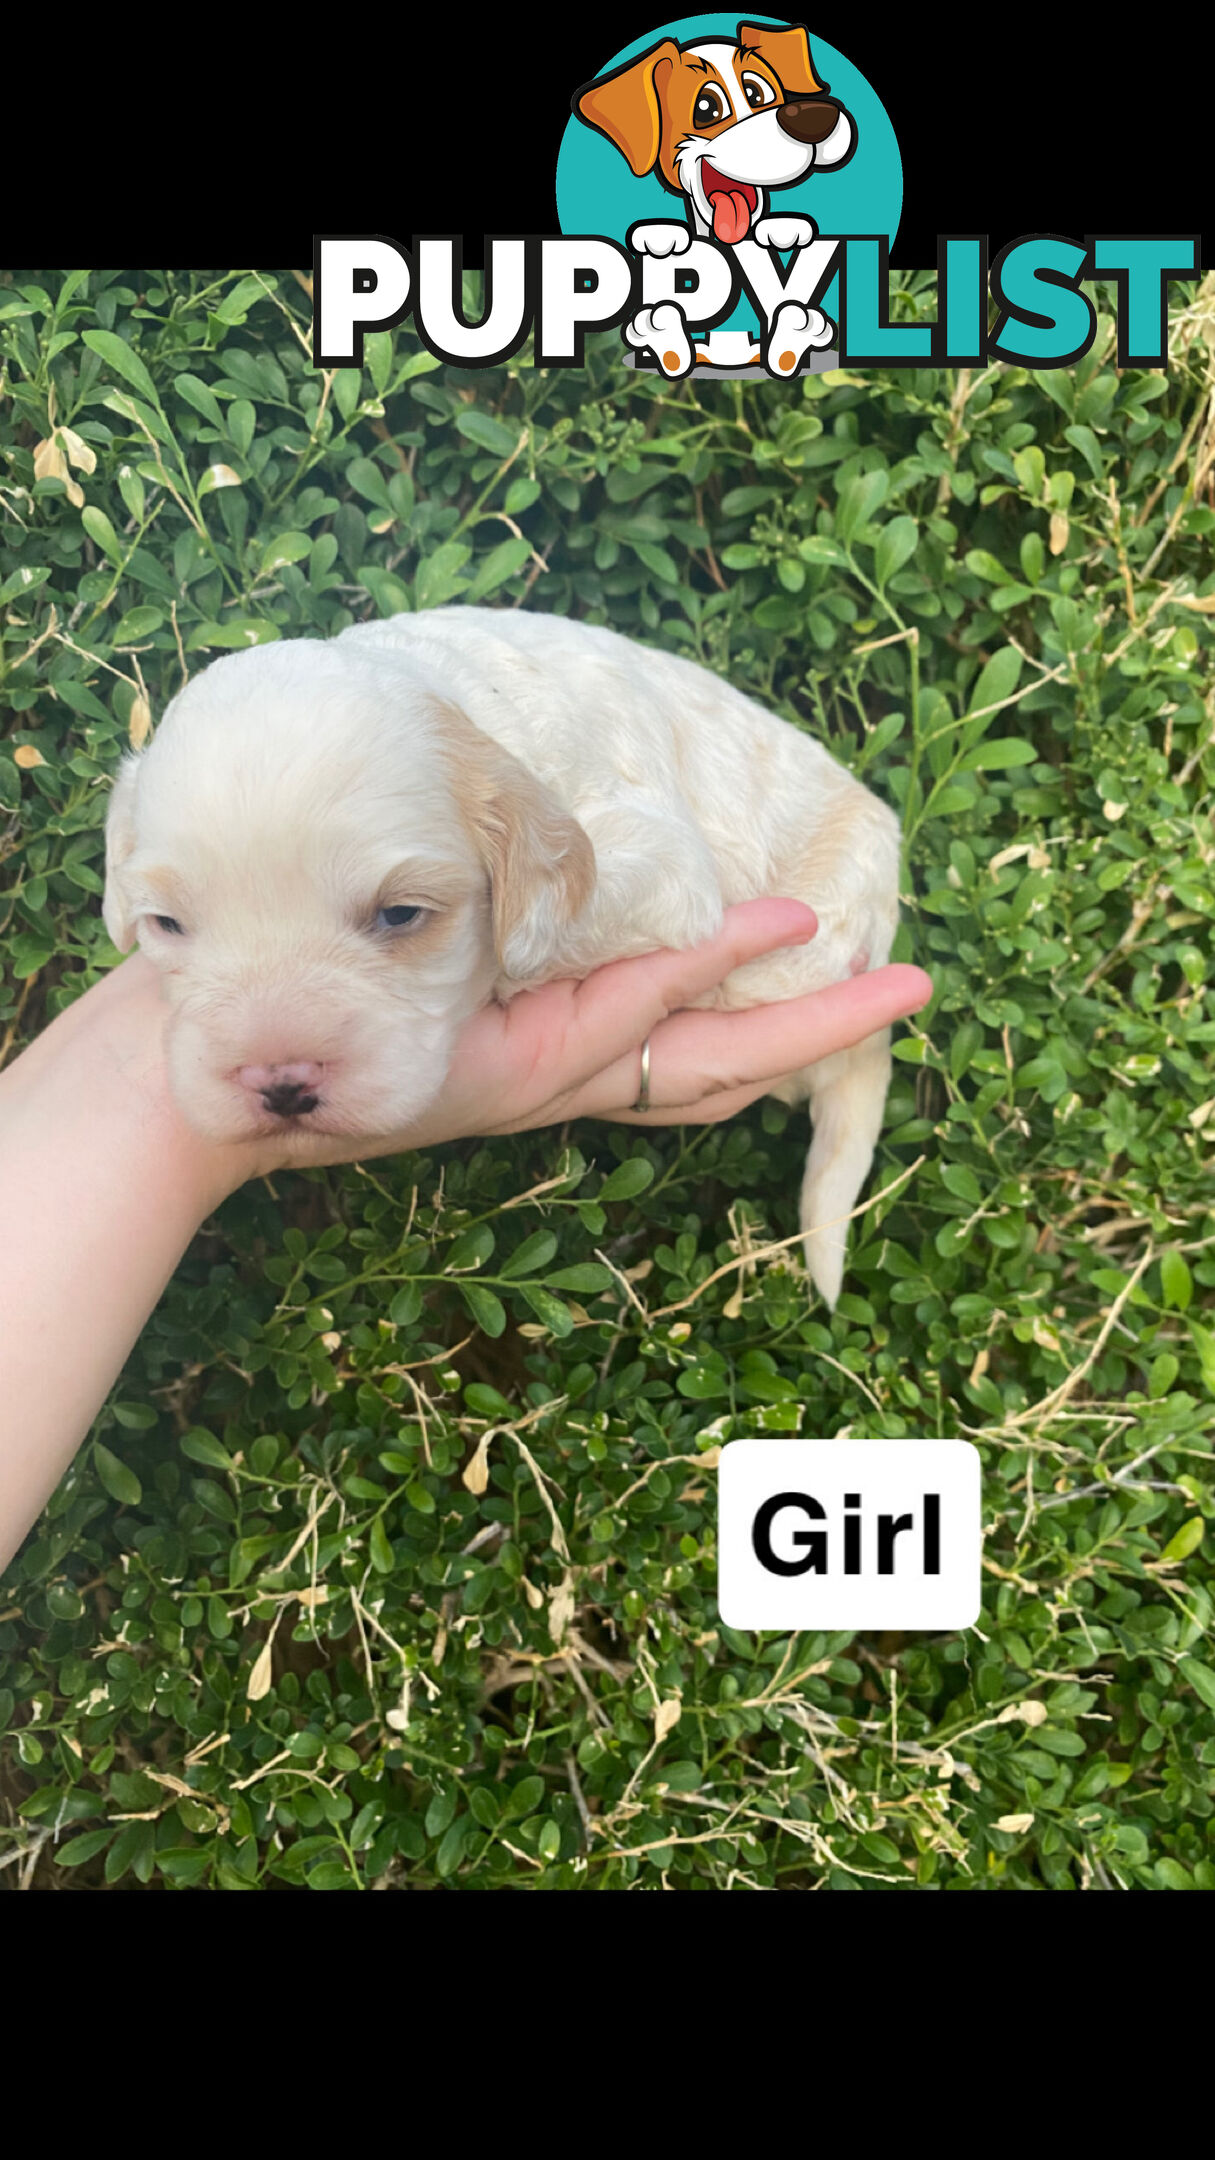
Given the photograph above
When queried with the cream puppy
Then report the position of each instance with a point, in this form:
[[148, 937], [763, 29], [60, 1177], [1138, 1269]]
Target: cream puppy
[[337, 852]]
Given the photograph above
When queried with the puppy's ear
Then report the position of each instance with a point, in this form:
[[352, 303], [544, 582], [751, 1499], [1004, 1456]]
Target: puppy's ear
[[119, 845], [787, 53], [541, 864], [625, 106]]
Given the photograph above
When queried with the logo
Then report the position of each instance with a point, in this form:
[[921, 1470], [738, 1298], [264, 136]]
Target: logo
[[727, 194], [734, 129], [849, 1534]]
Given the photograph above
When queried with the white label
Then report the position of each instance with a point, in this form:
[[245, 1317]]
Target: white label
[[849, 1534]]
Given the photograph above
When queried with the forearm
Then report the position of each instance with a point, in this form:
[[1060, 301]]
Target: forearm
[[101, 1190], [103, 1184]]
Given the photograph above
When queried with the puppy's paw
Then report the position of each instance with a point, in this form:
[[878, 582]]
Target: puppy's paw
[[783, 233], [665, 238], [664, 329], [796, 330]]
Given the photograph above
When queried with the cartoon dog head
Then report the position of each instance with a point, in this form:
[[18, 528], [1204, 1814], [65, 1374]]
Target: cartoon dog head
[[722, 120]]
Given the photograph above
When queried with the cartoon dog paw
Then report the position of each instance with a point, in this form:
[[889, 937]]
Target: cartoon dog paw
[[667, 238], [664, 329], [795, 331], [783, 233]]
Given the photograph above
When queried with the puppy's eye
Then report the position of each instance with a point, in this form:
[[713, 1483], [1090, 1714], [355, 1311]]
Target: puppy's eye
[[398, 918], [757, 92], [169, 923], [710, 107]]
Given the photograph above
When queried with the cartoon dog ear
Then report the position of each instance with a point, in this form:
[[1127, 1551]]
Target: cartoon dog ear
[[787, 53], [625, 106], [119, 846], [540, 862]]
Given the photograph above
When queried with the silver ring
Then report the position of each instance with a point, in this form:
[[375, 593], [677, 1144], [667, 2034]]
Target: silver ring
[[643, 1093]]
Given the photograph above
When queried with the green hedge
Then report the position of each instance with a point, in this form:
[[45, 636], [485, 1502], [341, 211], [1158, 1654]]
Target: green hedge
[[391, 1558]]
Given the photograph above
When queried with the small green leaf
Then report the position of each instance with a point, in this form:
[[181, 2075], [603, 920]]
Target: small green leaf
[[486, 1309], [549, 1309], [440, 1812], [118, 355], [1184, 1541], [451, 1848], [527, 1259], [377, 358], [203, 400], [490, 434], [1084, 440], [997, 756], [627, 1180], [101, 532], [1176, 1281], [82, 1848], [897, 543], [997, 680], [503, 562], [406, 1305], [1161, 1374], [471, 1249], [438, 576], [858, 499], [584, 1277], [289, 547], [881, 1848], [203, 1447], [120, 1482], [1201, 1678]]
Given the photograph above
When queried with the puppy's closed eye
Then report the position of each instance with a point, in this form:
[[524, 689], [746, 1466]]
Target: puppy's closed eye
[[401, 918]]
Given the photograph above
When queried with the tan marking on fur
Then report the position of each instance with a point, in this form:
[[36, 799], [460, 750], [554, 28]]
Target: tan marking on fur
[[785, 54], [646, 108], [527, 841], [838, 856], [627, 107], [421, 884], [424, 941]]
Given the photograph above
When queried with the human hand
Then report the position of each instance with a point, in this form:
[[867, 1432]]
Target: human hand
[[573, 1049], [103, 1183]]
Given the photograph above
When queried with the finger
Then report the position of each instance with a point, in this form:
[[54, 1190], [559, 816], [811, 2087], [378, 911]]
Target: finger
[[694, 1055], [623, 1002], [714, 1109]]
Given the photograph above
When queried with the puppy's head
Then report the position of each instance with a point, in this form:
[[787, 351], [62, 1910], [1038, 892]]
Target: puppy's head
[[722, 120], [333, 868]]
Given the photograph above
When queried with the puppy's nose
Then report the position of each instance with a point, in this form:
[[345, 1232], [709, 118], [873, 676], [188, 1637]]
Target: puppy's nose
[[808, 120], [289, 1099], [287, 1090]]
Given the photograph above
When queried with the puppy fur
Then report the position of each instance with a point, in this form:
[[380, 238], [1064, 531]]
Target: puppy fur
[[549, 795]]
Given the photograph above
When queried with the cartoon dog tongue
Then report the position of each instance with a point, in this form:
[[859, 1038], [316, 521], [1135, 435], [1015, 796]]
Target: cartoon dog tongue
[[731, 216]]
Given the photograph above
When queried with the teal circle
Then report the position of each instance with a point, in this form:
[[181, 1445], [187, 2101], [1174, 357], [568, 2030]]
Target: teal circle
[[597, 192]]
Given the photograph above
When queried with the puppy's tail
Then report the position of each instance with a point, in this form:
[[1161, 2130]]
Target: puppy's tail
[[847, 1101]]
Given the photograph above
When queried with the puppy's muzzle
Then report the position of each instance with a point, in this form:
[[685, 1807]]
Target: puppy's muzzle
[[808, 120], [285, 1090]]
